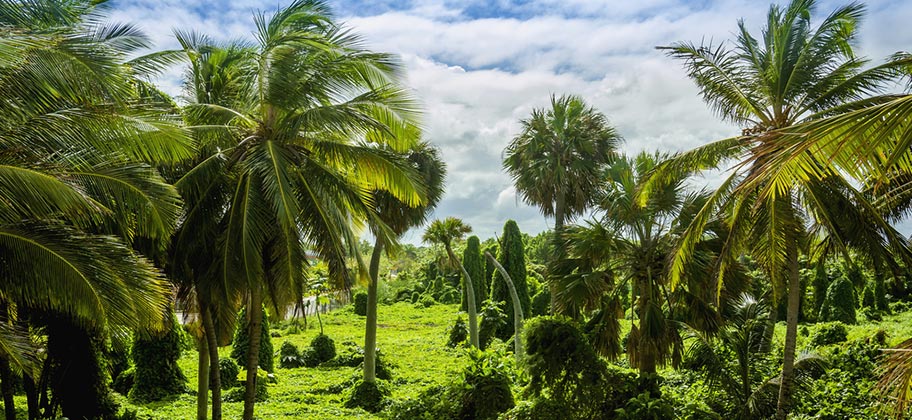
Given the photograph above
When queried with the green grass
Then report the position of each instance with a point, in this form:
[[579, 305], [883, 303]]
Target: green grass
[[413, 339]]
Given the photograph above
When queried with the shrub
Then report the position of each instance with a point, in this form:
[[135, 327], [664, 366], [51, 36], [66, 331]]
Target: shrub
[[360, 301], [415, 297], [157, 374], [262, 393], [242, 341], [492, 320], [867, 295], [646, 406], [449, 295], [404, 295], [541, 303], [354, 357], [371, 396], [324, 348], [473, 262], [434, 403], [487, 384], [829, 333], [289, 356], [539, 408], [124, 381], [228, 373], [426, 301], [839, 304], [459, 332]]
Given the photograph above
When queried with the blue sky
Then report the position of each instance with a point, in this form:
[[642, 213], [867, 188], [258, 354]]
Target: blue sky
[[479, 66]]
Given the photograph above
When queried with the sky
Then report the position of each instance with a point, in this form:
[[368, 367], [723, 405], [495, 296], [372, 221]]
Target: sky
[[479, 67]]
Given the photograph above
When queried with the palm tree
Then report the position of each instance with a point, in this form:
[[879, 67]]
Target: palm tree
[[795, 73], [556, 160], [399, 217], [445, 232], [299, 145], [80, 130], [733, 359]]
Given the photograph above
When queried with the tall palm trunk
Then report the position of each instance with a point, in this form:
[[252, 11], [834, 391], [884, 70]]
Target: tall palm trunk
[[791, 332], [370, 330], [470, 294], [558, 251], [517, 307], [202, 383], [255, 311], [215, 376]]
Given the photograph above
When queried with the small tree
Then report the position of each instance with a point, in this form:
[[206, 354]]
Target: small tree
[[241, 339], [475, 266], [840, 302], [155, 356], [443, 232]]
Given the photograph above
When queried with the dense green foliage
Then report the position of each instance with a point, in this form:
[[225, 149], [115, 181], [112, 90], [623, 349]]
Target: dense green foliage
[[370, 396], [473, 262], [458, 333], [157, 374], [359, 300], [840, 301], [240, 343], [229, 372], [512, 256], [829, 333]]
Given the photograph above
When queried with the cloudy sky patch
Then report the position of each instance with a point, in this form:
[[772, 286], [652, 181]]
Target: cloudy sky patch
[[479, 67]]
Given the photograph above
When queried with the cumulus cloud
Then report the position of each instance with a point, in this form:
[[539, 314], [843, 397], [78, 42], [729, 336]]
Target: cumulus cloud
[[481, 66]]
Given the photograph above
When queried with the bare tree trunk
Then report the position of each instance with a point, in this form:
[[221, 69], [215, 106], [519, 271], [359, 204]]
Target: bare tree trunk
[[517, 307], [255, 311], [6, 385], [202, 383], [470, 294], [370, 330], [791, 333], [215, 376]]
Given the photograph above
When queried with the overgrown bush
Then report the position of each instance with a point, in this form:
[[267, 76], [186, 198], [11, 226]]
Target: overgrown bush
[[228, 373], [353, 356], [124, 381], [262, 392], [867, 295], [242, 341], [839, 304], [492, 320], [290, 356], [541, 303], [829, 333], [360, 302], [434, 403], [426, 301], [646, 406], [324, 348], [415, 297], [459, 332], [486, 381], [538, 408], [371, 396], [156, 372]]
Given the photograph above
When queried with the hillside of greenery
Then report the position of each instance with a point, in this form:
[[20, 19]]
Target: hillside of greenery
[[158, 253]]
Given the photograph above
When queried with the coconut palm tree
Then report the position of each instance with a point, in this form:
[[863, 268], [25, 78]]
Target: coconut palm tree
[[80, 131], [399, 217], [444, 232], [795, 73], [557, 158], [299, 144]]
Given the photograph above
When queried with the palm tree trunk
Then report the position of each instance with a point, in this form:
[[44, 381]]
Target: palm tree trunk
[[558, 252], [6, 385], [255, 312], [791, 332], [215, 376], [370, 330], [517, 307], [202, 383], [470, 294]]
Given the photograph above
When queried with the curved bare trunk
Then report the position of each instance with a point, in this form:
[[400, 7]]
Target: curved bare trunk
[[370, 330], [215, 376], [470, 294], [517, 307], [791, 333], [255, 311]]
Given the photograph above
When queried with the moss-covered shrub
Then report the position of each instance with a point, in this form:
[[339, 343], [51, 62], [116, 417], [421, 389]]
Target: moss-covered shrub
[[228, 373], [324, 348], [242, 341], [371, 396], [290, 356], [459, 333], [839, 304], [829, 333], [360, 303], [157, 374]]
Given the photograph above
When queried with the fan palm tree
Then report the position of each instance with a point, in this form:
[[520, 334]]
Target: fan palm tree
[[557, 158], [399, 218], [80, 130], [298, 146], [794, 74], [444, 232]]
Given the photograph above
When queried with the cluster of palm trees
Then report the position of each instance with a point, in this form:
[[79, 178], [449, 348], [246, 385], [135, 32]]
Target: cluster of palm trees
[[113, 195], [821, 166]]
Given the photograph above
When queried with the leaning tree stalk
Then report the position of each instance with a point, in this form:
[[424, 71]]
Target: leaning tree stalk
[[517, 307], [470, 293], [202, 383], [370, 332], [215, 375], [255, 311], [791, 332]]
